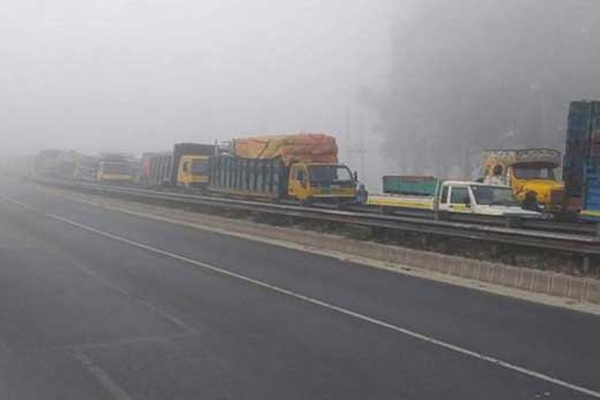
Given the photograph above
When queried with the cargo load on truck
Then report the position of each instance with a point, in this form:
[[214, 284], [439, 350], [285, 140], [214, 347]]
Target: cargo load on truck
[[529, 172], [417, 192], [581, 172], [302, 147], [187, 166], [300, 166]]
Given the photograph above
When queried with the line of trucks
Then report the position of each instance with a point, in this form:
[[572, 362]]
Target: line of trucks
[[305, 168], [302, 167]]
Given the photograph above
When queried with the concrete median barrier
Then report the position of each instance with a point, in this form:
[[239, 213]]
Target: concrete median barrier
[[530, 280], [535, 281], [542, 282], [559, 285], [576, 289], [593, 292]]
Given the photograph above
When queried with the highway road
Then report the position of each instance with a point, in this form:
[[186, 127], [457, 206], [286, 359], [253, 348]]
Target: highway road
[[95, 304]]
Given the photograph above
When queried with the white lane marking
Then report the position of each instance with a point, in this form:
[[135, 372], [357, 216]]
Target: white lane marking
[[422, 337], [102, 377], [116, 343], [164, 314], [10, 199]]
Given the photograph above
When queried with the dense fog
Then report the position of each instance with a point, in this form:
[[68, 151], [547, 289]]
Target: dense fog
[[407, 86], [474, 74], [134, 76]]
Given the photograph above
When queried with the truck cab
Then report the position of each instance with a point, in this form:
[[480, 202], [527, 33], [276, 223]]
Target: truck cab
[[527, 171], [540, 179], [479, 198], [116, 172], [193, 171], [320, 181]]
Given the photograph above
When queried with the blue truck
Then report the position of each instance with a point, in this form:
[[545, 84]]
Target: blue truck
[[581, 164]]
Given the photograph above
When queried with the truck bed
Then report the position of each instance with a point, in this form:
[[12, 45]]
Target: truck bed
[[402, 201]]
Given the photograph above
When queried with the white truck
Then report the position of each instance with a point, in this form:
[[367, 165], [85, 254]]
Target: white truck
[[443, 197]]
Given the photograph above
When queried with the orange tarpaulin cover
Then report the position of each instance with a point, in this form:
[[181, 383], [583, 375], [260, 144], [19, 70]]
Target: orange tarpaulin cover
[[301, 147]]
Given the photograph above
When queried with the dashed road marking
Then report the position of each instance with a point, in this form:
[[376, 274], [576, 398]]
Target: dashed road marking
[[116, 391]]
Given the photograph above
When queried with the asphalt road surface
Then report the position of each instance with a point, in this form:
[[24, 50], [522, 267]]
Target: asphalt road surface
[[95, 304]]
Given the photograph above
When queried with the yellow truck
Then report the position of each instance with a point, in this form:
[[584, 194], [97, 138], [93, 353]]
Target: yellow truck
[[526, 171], [302, 167], [186, 167], [116, 169]]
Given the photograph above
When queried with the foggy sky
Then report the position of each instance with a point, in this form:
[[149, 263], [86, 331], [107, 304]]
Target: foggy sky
[[133, 75], [426, 84], [470, 75]]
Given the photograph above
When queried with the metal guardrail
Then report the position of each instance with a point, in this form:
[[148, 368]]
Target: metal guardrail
[[542, 224], [576, 243]]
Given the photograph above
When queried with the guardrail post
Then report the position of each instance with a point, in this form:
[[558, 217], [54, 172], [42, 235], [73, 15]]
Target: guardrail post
[[513, 222], [494, 250], [424, 241], [586, 264]]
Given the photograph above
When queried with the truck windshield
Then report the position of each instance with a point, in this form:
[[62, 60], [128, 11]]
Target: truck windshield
[[329, 174], [494, 195], [200, 167], [534, 172], [117, 168]]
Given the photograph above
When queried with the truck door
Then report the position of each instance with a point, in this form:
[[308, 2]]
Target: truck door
[[443, 204], [298, 187], [183, 175], [460, 199]]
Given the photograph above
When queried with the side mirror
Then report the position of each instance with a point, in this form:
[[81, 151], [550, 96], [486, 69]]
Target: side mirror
[[355, 176], [468, 202]]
